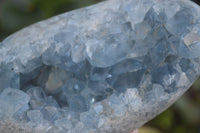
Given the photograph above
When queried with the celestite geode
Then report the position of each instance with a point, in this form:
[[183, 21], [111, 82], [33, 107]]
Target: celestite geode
[[107, 68]]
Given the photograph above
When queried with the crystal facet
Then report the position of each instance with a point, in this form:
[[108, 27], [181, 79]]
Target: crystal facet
[[115, 64]]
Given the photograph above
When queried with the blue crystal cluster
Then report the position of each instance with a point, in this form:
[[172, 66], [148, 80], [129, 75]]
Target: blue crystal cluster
[[100, 68]]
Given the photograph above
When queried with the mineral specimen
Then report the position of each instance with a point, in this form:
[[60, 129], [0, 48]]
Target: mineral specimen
[[107, 68]]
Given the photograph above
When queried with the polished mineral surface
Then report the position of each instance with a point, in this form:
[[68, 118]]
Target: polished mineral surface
[[107, 68]]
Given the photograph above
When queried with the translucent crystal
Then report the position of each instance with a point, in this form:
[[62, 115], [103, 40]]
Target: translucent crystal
[[8, 79], [35, 116], [12, 101], [109, 67]]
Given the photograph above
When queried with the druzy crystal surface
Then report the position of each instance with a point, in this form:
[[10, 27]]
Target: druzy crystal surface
[[107, 68]]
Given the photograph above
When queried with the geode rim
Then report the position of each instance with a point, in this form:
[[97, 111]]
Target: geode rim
[[100, 68]]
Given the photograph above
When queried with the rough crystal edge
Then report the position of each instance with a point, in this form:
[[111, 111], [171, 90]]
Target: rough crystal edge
[[117, 126], [17, 128]]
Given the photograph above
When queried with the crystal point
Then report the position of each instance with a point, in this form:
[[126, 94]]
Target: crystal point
[[109, 67]]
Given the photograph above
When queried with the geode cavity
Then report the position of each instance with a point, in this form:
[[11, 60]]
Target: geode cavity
[[107, 68]]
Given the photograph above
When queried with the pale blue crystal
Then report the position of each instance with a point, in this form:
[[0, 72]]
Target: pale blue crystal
[[109, 67], [13, 101], [35, 116], [50, 113], [8, 78]]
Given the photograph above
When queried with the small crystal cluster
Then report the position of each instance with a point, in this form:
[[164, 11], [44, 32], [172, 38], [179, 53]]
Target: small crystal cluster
[[109, 67]]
